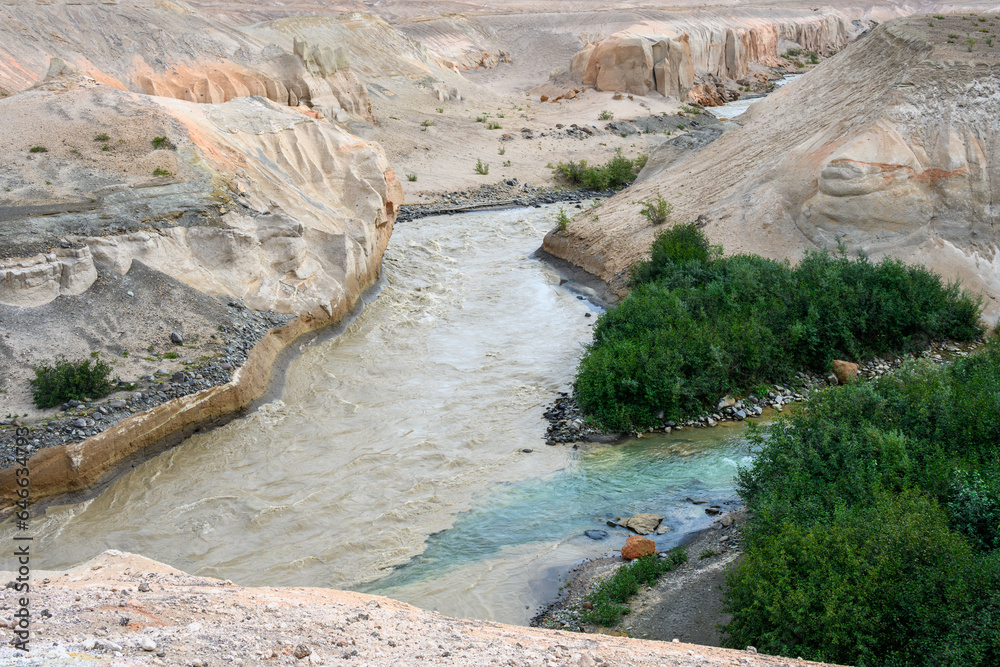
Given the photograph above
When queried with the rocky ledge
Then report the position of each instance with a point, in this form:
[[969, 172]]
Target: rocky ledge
[[124, 609]]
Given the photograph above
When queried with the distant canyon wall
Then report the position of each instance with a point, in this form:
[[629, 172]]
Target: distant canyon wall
[[686, 60], [171, 50]]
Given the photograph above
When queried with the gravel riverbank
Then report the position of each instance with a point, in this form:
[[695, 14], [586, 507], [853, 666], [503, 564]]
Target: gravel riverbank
[[568, 424], [218, 358]]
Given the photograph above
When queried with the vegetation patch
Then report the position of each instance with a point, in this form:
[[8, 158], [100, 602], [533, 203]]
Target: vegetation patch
[[609, 598], [697, 326], [876, 521], [70, 380], [617, 172]]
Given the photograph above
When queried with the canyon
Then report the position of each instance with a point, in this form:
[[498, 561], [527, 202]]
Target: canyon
[[176, 169]]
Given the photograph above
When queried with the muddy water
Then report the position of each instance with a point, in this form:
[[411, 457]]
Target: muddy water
[[393, 461]]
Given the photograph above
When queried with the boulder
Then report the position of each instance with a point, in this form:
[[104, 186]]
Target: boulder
[[637, 547], [845, 371], [622, 63], [643, 524]]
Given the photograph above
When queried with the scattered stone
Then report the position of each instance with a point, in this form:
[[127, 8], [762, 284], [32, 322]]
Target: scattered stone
[[662, 529], [176, 339], [596, 534], [712, 511], [302, 651], [144, 587], [147, 644]]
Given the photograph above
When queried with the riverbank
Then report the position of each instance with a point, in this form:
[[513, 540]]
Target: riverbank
[[685, 604]]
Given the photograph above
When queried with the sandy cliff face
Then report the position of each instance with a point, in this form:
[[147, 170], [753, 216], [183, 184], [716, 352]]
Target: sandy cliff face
[[172, 50], [887, 147], [671, 56]]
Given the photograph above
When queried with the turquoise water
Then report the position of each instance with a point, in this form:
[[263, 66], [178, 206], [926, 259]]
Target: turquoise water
[[656, 474]]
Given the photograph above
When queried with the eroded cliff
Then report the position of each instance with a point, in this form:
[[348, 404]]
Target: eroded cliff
[[886, 147]]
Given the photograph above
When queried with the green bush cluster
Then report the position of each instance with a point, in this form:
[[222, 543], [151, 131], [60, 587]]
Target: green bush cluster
[[617, 172], [697, 325], [610, 596], [70, 380], [876, 518]]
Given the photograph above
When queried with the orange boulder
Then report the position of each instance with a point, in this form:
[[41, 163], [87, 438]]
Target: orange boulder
[[637, 547]]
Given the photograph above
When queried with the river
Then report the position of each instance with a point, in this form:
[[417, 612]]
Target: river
[[393, 463]]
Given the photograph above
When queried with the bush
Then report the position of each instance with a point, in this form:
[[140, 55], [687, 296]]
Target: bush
[[605, 115], [875, 517], [411, 177], [617, 172], [159, 171], [102, 137], [481, 167], [698, 326], [563, 219], [70, 380], [610, 596], [160, 143], [657, 211], [38, 149]]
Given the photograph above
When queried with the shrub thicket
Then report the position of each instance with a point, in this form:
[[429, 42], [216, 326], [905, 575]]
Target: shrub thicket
[[617, 172], [697, 325], [70, 380], [876, 517]]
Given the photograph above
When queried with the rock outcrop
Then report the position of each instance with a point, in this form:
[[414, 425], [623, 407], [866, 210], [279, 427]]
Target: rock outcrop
[[175, 51], [693, 60], [886, 147]]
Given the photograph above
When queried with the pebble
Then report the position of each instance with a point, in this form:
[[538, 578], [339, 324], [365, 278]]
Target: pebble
[[176, 338], [147, 644]]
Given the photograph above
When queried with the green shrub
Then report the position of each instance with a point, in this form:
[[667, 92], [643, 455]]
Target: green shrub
[[875, 517], [159, 171], [38, 149], [102, 137], [481, 167], [411, 177], [697, 326], [610, 596], [617, 172], [70, 380], [605, 115], [563, 219], [657, 210], [160, 143]]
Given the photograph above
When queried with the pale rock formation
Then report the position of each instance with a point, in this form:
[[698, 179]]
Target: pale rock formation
[[623, 63], [31, 281], [886, 147], [691, 59], [175, 51]]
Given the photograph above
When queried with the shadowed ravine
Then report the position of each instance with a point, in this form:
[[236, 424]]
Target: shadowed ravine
[[409, 424]]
